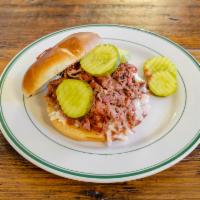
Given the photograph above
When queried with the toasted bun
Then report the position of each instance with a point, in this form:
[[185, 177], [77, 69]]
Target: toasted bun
[[74, 132], [54, 60]]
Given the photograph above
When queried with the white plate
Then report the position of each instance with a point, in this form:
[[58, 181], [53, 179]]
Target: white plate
[[167, 135]]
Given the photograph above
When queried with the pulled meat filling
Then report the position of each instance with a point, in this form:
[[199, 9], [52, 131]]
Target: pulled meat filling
[[115, 99]]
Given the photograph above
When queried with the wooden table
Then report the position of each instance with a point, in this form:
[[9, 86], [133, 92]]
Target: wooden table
[[23, 21]]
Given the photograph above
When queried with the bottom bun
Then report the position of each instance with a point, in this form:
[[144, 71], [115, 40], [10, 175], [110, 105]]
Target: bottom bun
[[74, 132]]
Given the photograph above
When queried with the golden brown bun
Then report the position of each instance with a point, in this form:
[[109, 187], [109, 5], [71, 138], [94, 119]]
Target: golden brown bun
[[74, 132], [54, 60]]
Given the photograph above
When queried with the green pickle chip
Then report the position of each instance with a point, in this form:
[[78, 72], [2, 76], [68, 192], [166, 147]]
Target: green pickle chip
[[162, 83], [101, 61], [75, 97], [159, 63]]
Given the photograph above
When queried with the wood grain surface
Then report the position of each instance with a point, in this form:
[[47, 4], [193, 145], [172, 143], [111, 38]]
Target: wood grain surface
[[23, 21]]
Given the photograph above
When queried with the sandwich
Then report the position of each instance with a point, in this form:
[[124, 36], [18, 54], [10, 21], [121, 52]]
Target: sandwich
[[93, 93]]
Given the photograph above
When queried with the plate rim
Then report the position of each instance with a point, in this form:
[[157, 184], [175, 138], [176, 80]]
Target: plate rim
[[21, 149]]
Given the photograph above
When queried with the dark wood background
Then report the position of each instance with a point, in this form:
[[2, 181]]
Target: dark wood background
[[23, 21]]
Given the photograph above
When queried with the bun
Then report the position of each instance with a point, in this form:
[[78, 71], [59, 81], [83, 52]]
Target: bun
[[74, 132], [54, 60]]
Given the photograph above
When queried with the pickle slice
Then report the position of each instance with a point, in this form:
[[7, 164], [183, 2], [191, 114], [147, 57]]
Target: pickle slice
[[75, 97], [101, 61], [159, 63], [162, 83]]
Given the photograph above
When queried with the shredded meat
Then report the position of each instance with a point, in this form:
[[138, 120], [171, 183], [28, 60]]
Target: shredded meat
[[114, 98]]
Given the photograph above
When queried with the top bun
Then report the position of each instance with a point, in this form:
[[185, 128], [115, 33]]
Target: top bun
[[54, 60]]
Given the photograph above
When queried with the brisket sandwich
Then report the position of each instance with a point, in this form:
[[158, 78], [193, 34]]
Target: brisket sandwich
[[119, 99]]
